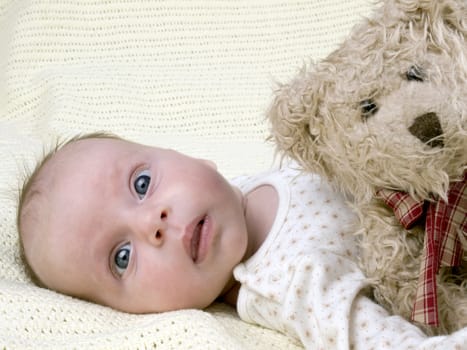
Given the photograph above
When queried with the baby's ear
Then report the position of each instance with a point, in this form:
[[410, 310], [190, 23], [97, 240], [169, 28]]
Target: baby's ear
[[209, 163], [293, 117]]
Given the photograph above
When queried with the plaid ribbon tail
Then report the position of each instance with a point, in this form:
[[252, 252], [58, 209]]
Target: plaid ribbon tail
[[425, 308], [445, 221], [454, 223]]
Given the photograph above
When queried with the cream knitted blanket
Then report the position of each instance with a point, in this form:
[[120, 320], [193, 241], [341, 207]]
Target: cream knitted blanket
[[193, 75]]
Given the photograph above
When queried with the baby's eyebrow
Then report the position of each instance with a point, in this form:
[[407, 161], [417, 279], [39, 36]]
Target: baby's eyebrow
[[102, 261], [102, 242]]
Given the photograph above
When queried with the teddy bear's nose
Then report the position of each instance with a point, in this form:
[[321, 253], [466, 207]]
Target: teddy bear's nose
[[427, 128]]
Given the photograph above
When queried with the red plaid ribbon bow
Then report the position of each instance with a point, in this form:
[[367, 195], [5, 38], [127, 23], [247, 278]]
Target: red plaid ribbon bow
[[444, 223]]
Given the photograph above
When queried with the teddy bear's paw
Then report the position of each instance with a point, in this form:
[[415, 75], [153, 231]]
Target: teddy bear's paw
[[397, 296], [452, 299]]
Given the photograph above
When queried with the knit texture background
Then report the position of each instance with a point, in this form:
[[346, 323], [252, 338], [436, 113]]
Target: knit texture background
[[196, 76]]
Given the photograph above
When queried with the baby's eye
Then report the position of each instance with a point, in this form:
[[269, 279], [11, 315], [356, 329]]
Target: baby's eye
[[122, 258], [141, 183]]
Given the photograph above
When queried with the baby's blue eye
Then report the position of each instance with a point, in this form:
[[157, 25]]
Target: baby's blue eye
[[141, 183], [122, 258]]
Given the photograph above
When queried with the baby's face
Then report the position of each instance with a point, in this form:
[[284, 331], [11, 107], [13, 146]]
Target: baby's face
[[137, 228]]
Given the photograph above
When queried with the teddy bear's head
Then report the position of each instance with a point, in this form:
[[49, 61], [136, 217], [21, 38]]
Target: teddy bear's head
[[388, 108]]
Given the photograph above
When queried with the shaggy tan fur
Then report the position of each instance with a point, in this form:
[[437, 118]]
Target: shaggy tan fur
[[353, 118]]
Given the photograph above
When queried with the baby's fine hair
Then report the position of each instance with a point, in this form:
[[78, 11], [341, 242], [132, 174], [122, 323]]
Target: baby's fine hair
[[30, 188]]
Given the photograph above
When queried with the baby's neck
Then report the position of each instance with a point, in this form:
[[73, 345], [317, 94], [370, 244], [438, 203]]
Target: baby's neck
[[260, 211]]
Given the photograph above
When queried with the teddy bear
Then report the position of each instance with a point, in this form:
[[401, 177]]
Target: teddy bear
[[384, 119]]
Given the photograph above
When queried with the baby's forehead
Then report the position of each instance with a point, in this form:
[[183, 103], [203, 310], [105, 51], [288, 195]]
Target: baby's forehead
[[95, 145], [77, 174], [74, 153]]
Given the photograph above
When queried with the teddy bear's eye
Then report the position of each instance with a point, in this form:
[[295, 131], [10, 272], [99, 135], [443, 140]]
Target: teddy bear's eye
[[414, 73], [369, 108]]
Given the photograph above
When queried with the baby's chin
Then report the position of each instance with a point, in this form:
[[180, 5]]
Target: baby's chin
[[150, 309]]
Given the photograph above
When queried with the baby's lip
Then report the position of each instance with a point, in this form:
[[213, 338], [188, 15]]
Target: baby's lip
[[192, 237]]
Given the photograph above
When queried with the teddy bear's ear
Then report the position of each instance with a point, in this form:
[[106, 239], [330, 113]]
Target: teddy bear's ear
[[428, 13], [294, 119]]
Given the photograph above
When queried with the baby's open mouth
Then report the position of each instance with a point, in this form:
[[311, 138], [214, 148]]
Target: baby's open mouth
[[196, 239]]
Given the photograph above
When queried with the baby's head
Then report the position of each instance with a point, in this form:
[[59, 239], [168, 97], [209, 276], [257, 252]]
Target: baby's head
[[137, 228]]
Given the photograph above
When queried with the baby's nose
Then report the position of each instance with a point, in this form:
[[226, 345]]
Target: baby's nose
[[153, 225], [161, 228]]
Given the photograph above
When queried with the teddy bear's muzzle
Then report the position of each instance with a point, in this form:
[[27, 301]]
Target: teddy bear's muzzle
[[427, 128]]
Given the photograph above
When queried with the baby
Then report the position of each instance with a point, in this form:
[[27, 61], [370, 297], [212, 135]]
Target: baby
[[144, 229]]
